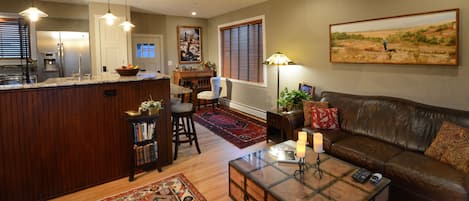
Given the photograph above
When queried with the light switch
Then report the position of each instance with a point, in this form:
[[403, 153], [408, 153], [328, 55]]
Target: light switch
[[170, 63]]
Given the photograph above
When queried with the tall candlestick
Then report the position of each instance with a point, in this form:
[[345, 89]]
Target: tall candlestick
[[318, 143], [302, 136]]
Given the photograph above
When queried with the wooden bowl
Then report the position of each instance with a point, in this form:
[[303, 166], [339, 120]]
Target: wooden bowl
[[127, 72]]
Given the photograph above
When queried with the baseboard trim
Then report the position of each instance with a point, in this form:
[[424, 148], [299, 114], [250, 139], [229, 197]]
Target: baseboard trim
[[244, 108]]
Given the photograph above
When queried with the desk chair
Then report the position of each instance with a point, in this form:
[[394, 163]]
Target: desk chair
[[210, 97]]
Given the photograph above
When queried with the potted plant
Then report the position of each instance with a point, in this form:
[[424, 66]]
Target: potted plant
[[292, 99], [150, 106]]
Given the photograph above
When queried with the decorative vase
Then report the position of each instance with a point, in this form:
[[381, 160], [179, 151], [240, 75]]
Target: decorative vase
[[153, 111], [144, 112]]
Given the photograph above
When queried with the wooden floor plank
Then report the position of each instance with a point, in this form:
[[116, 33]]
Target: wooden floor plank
[[208, 171]]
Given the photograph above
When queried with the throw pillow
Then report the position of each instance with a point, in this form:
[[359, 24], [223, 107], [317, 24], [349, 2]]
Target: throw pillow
[[307, 109], [457, 154], [324, 118], [448, 136]]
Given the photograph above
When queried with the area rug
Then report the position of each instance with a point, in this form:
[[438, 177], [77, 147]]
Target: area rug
[[238, 129], [174, 188]]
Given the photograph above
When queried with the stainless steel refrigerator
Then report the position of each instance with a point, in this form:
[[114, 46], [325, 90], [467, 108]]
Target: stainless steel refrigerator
[[61, 52]]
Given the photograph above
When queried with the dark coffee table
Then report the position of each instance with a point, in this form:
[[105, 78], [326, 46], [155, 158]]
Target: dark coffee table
[[258, 176]]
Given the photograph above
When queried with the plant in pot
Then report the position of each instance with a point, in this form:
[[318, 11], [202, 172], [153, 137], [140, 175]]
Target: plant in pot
[[292, 99]]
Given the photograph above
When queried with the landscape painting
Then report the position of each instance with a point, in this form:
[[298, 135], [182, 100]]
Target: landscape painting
[[424, 38]]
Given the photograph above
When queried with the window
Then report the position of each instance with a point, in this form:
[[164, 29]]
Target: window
[[145, 50], [14, 39], [242, 51]]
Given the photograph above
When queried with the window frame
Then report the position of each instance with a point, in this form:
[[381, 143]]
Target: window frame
[[220, 50], [24, 22]]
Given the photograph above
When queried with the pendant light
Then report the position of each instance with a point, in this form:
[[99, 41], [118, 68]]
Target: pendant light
[[109, 16], [33, 13], [126, 24]]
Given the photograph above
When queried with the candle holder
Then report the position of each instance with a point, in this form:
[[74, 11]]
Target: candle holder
[[318, 170], [301, 167]]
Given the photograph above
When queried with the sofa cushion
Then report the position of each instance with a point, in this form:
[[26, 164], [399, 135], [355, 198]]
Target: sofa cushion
[[451, 146], [324, 118], [365, 151], [307, 105], [426, 176], [329, 136]]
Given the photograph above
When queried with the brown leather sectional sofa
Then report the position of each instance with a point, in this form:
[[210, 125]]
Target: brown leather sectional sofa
[[389, 135]]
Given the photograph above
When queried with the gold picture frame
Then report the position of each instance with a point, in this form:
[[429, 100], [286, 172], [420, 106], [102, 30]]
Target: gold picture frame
[[430, 38], [189, 44]]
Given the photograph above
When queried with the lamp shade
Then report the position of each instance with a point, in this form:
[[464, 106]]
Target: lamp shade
[[33, 13], [278, 59], [109, 18], [127, 25]]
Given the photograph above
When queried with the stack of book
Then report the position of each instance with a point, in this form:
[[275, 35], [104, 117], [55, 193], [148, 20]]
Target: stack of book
[[143, 131], [146, 153]]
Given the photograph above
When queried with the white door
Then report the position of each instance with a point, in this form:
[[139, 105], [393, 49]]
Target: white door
[[111, 46], [147, 52]]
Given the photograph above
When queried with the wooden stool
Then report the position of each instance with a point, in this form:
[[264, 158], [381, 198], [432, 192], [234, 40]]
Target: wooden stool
[[183, 124]]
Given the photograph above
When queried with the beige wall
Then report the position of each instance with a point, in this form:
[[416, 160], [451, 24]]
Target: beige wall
[[167, 26], [300, 29]]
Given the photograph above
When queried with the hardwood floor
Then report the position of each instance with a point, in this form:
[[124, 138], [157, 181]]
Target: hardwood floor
[[207, 171]]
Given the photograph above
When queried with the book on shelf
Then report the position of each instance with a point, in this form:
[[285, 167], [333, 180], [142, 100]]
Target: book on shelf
[[143, 131], [146, 154], [287, 156]]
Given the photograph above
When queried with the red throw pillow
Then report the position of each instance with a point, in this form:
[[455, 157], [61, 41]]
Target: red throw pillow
[[324, 118]]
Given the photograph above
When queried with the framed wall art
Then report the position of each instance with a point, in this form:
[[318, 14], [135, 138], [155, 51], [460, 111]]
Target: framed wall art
[[189, 44], [422, 38]]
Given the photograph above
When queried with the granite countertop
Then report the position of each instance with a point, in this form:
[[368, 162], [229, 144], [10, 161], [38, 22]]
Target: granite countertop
[[70, 81]]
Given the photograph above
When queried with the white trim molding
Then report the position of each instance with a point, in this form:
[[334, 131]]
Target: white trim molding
[[244, 108]]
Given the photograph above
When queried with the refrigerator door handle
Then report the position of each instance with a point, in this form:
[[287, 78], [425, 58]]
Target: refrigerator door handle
[[60, 50]]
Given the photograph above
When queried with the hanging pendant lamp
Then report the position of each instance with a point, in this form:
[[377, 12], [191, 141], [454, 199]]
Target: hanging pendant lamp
[[33, 13], [109, 16], [126, 25]]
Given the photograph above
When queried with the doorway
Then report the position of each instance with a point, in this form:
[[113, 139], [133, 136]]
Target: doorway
[[147, 52]]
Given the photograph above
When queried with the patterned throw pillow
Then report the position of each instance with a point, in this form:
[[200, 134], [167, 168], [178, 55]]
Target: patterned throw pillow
[[451, 146], [307, 109], [324, 118]]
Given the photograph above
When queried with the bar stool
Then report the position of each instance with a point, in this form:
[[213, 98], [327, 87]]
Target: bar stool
[[183, 125]]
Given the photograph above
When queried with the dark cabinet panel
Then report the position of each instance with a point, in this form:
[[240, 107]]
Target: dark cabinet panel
[[59, 140]]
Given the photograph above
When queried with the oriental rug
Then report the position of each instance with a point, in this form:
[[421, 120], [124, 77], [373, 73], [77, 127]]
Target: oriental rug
[[174, 188], [236, 128]]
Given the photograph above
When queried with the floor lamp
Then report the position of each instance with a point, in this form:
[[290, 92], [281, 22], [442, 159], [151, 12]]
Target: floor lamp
[[278, 59]]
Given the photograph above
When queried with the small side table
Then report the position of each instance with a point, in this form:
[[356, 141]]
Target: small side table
[[276, 121]]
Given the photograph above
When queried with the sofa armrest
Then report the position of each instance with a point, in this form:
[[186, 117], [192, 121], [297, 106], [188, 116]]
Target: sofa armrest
[[295, 120]]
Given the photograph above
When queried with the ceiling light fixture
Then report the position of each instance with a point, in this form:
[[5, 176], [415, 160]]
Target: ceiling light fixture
[[33, 13], [194, 13], [126, 24], [109, 16]]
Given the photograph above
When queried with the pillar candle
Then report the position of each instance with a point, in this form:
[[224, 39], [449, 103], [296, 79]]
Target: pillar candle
[[302, 136], [317, 140], [300, 149]]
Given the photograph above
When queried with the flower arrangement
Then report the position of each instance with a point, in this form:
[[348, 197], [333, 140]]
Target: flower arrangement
[[210, 65], [150, 105]]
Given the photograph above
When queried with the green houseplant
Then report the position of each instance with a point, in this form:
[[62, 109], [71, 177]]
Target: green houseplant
[[292, 99]]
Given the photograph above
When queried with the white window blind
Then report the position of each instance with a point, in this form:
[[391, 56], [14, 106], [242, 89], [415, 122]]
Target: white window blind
[[14, 39]]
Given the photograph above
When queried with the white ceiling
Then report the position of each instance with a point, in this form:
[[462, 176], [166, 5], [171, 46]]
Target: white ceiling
[[204, 8]]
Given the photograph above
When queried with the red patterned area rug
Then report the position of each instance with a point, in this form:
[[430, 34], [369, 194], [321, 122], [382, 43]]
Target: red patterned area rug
[[174, 188], [238, 129]]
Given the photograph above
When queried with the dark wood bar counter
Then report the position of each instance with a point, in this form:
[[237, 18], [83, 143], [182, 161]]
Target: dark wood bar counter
[[56, 140]]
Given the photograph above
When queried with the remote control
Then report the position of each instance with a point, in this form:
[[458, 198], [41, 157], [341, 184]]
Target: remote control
[[361, 175]]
